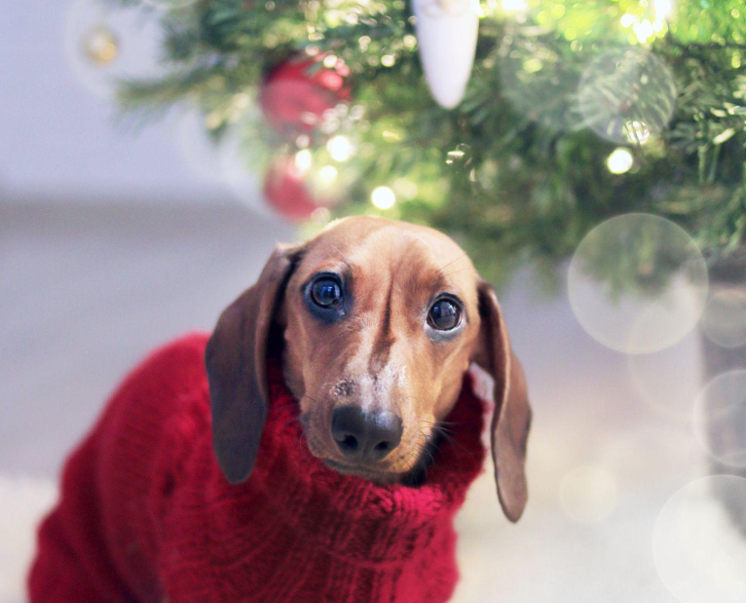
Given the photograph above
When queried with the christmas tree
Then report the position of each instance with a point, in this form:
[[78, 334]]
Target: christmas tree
[[574, 113]]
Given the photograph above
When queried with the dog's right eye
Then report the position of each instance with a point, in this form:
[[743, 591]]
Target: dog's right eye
[[326, 292], [444, 315]]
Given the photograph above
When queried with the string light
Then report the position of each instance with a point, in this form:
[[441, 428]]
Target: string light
[[637, 132], [383, 197], [339, 148], [643, 30], [303, 160], [662, 9], [515, 5], [328, 173], [620, 161], [454, 156]]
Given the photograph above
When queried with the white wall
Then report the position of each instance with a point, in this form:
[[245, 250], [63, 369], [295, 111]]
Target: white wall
[[58, 141]]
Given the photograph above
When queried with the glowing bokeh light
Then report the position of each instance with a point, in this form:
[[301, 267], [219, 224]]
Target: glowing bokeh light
[[330, 61], [699, 553], [328, 173], [643, 30], [620, 161], [637, 283], [388, 60], [723, 321], [303, 160], [636, 132], [627, 20], [627, 94], [662, 9], [339, 148], [719, 418], [383, 197], [539, 83], [515, 6]]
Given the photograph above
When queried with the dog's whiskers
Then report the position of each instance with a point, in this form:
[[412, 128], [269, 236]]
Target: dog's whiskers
[[456, 271], [345, 258], [441, 270]]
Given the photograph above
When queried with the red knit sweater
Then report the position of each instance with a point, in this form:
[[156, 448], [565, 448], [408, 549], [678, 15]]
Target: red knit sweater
[[145, 513]]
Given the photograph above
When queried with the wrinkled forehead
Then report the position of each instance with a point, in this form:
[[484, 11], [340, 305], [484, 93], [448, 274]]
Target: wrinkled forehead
[[375, 253]]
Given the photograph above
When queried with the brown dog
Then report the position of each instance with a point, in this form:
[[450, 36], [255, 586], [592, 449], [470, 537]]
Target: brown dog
[[377, 322], [380, 321]]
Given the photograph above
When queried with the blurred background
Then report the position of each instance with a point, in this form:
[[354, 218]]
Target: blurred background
[[589, 157]]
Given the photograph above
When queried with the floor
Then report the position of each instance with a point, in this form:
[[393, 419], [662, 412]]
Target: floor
[[613, 461]]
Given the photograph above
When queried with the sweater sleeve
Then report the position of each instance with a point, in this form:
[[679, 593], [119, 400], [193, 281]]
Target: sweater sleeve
[[101, 542]]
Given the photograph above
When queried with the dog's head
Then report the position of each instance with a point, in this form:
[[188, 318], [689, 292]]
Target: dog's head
[[379, 320]]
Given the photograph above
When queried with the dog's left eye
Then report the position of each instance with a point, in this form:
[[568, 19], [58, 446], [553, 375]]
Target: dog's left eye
[[444, 315], [326, 292]]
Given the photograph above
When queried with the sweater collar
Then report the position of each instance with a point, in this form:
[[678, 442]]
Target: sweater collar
[[350, 516]]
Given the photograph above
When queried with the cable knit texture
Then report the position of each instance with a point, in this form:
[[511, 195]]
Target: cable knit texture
[[145, 513]]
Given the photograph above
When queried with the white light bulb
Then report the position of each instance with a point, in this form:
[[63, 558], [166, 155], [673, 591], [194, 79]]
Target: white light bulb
[[328, 173], [515, 5], [303, 160], [627, 20], [383, 197], [662, 9], [620, 161], [643, 30], [339, 148], [637, 132]]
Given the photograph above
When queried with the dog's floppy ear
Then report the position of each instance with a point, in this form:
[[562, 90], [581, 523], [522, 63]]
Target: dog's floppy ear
[[512, 416], [236, 367]]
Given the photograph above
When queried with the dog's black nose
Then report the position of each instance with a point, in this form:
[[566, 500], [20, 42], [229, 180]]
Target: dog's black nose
[[368, 436]]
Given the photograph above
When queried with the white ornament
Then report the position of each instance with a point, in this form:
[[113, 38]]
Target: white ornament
[[447, 38]]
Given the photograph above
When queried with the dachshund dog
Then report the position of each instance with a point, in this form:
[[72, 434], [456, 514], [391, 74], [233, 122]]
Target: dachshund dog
[[380, 321], [351, 348]]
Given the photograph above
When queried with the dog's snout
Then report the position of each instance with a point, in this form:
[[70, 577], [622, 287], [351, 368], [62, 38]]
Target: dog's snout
[[368, 436]]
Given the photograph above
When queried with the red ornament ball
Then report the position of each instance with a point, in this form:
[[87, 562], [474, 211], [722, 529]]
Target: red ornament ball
[[293, 99], [286, 192]]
